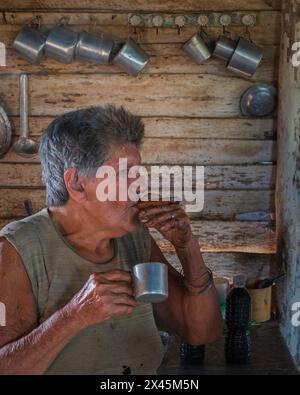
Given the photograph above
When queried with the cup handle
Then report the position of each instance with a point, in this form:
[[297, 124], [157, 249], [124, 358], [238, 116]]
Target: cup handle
[[38, 19], [248, 35], [226, 33]]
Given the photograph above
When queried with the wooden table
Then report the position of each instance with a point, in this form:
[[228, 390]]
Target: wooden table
[[269, 357]]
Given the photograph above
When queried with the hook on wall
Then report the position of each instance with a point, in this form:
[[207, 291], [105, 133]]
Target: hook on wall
[[191, 20]]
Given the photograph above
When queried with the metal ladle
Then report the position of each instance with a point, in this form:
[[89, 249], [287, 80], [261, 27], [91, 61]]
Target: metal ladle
[[25, 146]]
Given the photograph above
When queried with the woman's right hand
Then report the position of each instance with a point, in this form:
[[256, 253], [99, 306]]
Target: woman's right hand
[[103, 296]]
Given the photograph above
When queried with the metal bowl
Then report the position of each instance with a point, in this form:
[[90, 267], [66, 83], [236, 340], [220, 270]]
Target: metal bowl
[[259, 100]]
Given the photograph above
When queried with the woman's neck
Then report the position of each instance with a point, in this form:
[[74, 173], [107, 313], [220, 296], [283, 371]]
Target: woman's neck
[[90, 241]]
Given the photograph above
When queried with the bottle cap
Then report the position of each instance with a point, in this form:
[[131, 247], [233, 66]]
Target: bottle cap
[[239, 281]]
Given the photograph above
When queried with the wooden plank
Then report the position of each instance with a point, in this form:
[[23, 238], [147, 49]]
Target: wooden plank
[[217, 204], [141, 5], [145, 95], [192, 151], [204, 152], [96, 20], [165, 58], [265, 32], [231, 264], [288, 179], [221, 236], [229, 236], [205, 128], [18, 175]]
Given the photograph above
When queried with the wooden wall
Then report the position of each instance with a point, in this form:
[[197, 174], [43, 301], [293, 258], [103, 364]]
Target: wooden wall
[[288, 180], [191, 113]]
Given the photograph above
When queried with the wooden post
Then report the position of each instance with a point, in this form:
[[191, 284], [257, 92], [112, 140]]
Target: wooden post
[[288, 177]]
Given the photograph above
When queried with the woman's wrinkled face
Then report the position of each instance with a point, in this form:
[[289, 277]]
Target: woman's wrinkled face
[[115, 214]]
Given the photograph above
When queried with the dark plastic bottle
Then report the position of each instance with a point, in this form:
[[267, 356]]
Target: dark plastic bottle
[[238, 319], [192, 354]]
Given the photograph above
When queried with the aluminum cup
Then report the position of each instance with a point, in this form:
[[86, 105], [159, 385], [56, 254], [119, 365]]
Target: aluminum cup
[[61, 43], [94, 47], [197, 48], [30, 44], [246, 58], [150, 282], [224, 48], [131, 57]]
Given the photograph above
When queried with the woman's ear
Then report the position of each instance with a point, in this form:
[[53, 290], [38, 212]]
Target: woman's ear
[[74, 185]]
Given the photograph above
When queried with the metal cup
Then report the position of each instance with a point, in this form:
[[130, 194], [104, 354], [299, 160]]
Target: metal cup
[[30, 43], [131, 57], [197, 48], [224, 48], [150, 282], [61, 43], [246, 58], [95, 48]]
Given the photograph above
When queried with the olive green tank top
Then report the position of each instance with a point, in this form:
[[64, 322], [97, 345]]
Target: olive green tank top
[[127, 344]]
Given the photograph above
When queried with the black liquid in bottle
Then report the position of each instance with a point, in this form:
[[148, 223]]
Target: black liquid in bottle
[[238, 320]]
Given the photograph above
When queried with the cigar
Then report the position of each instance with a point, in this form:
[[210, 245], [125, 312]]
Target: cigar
[[154, 203]]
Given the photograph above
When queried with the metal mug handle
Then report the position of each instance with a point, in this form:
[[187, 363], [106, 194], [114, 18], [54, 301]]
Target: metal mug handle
[[63, 21], [37, 25]]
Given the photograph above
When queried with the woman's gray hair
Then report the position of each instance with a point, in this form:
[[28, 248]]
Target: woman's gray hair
[[83, 139]]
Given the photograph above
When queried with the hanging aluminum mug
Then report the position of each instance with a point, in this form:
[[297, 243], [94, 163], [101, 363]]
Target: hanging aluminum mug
[[61, 43], [94, 47], [150, 282], [224, 48], [198, 47], [131, 57], [30, 42], [246, 58]]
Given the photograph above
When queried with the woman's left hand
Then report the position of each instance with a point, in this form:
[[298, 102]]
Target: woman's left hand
[[171, 221]]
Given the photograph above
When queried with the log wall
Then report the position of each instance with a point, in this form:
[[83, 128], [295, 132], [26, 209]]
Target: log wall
[[191, 113]]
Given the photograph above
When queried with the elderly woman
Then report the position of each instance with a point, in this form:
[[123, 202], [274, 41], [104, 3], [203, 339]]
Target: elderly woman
[[65, 271]]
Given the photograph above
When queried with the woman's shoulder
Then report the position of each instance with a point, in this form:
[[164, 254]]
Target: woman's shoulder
[[25, 227]]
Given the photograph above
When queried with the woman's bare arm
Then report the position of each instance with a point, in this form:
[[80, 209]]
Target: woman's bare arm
[[26, 348]]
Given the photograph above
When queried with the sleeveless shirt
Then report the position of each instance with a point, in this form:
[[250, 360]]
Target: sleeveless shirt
[[127, 344]]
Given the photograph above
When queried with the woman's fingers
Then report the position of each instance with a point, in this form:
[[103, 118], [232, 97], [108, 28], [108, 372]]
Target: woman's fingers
[[161, 218], [114, 275], [118, 288], [151, 211]]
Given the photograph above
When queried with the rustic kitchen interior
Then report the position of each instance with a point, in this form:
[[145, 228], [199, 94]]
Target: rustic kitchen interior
[[192, 114]]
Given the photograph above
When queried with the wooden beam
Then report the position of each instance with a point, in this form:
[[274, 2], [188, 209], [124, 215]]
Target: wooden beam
[[192, 151], [142, 5], [229, 236], [288, 177], [146, 95], [222, 236], [223, 205], [231, 264], [173, 127], [258, 177], [265, 32]]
